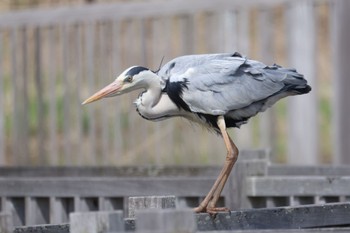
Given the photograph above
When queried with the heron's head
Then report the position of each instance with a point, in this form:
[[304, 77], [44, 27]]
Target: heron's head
[[133, 78]]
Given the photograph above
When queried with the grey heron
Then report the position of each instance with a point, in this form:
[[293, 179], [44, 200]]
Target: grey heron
[[218, 91]]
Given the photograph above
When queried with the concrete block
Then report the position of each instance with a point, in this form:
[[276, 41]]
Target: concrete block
[[92, 222], [165, 221], [150, 202], [6, 223]]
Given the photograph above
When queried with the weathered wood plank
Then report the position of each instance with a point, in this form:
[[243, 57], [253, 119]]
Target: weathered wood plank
[[229, 31], [127, 171], [278, 218], [126, 10], [2, 112], [116, 66], [106, 186], [90, 69], [289, 170], [79, 78], [104, 155], [52, 98], [302, 110], [16, 120], [237, 184], [66, 95], [267, 119], [23, 94], [244, 136], [341, 51], [298, 186], [39, 85]]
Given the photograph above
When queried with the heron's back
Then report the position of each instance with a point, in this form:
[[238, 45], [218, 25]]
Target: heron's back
[[229, 85]]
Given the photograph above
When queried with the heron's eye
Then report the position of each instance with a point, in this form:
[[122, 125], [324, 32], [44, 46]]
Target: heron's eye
[[128, 79]]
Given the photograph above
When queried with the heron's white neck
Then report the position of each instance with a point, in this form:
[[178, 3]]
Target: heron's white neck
[[150, 97], [153, 104]]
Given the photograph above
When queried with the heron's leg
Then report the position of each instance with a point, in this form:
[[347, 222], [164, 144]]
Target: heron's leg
[[232, 152], [231, 158]]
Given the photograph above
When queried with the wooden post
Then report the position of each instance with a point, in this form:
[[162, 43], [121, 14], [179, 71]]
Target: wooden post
[[165, 221], [90, 58], [67, 124], [340, 41], [2, 112], [250, 163], [39, 85], [150, 202], [92, 222], [302, 110], [267, 119], [243, 136], [52, 69]]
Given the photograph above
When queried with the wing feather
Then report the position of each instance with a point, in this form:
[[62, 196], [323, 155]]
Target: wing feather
[[219, 83]]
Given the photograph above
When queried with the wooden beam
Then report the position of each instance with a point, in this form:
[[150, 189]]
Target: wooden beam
[[125, 10], [278, 186], [340, 41]]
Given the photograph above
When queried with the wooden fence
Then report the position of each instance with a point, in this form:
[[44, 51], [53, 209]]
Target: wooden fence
[[51, 60], [46, 197]]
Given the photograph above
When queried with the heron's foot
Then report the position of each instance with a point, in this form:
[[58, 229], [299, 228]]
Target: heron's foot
[[200, 209], [210, 210], [215, 210]]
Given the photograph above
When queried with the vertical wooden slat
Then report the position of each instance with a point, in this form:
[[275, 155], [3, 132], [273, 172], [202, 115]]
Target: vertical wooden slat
[[24, 95], [229, 32], [79, 57], [40, 96], [66, 95], [52, 116], [89, 47], [16, 119], [170, 124], [302, 110], [157, 51], [130, 48], [244, 136], [267, 119], [341, 69], [102, 77], [118, 139], [187, 34], [2, 111]]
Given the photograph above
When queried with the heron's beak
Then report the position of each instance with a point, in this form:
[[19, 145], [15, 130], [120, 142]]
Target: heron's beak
[[107, 91]]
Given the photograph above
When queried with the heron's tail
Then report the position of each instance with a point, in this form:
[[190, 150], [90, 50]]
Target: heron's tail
[[300, 90], [294, 82]]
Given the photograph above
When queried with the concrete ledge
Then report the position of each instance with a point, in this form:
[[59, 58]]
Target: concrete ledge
[[61, 228], [328, 217], [309, 216]]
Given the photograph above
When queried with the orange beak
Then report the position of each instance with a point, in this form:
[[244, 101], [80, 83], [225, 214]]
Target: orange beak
[[108, 91]]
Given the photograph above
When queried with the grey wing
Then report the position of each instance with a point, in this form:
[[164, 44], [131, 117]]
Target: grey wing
[[221, 83]]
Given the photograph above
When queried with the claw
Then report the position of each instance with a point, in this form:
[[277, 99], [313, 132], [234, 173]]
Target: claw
[[210, 210], [215, 210]]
